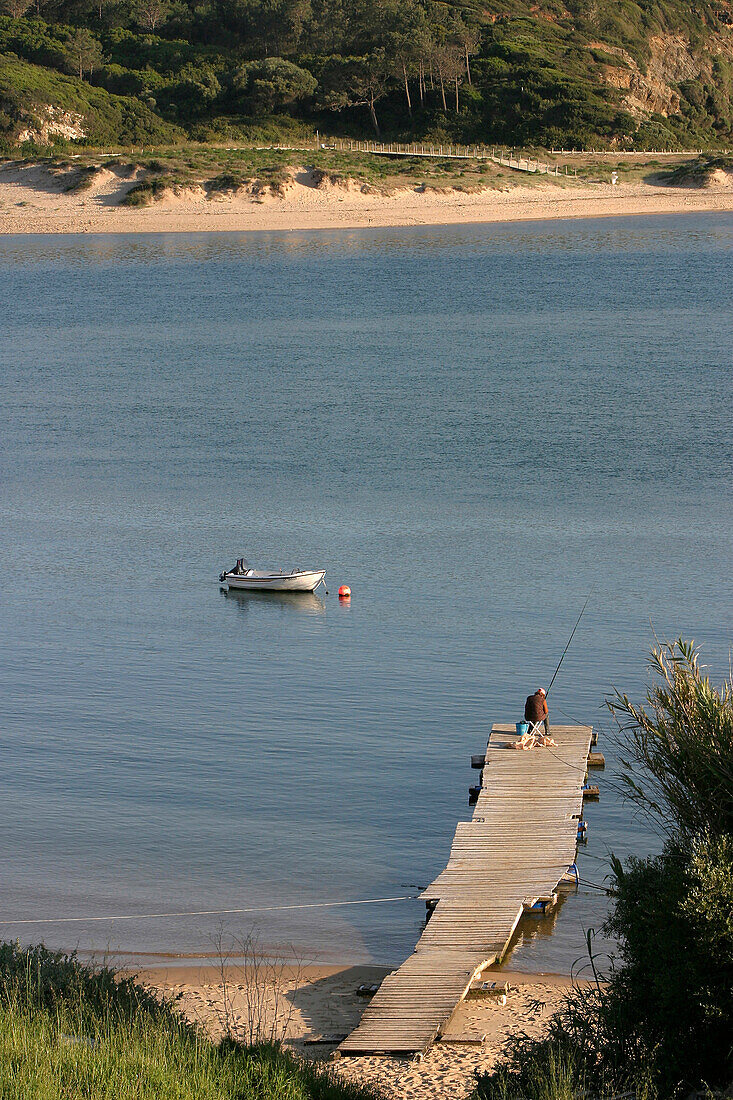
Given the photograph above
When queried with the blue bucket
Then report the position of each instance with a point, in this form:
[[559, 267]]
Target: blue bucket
[[522, 728]]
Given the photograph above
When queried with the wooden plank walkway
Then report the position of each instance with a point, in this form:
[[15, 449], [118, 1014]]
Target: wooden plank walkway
[[525, 163], [514, 852]]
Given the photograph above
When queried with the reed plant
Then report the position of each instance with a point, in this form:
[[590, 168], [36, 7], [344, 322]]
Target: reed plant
[[254, 1007], [677, 749]]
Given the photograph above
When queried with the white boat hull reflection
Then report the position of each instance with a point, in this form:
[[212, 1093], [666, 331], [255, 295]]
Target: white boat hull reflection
[[307, 602]]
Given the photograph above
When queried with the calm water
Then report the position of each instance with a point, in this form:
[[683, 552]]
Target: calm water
[[473, 427]]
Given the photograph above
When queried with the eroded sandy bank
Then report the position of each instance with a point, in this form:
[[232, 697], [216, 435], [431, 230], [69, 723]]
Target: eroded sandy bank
[[33, 201]]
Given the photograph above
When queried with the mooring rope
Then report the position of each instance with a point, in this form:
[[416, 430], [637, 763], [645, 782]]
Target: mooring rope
[[210, 912], [575, 767]]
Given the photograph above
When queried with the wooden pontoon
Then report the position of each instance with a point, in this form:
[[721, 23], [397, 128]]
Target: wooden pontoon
[[509, 859]]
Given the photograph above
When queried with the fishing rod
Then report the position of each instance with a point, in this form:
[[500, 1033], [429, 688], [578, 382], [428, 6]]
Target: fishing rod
[[552, 681], [567, 647]]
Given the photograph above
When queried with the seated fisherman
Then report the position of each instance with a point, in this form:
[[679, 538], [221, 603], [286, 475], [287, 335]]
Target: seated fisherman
[[535, 709]]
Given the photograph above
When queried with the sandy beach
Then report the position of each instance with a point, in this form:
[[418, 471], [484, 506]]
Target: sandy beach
[[318, 1005], [35, 200]]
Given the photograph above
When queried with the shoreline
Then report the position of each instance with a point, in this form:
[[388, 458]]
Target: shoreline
[[31, 205], [165, 973]]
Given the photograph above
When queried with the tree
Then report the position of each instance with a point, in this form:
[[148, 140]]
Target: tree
[[266, 27], [101, 5], [82, 52], [439, 57], [470, 40], [327, 27], [355, 82], [151, 13], [674, 914], [293, 18], [400, 28], [271, 85], [16, 8], [452, 67], [196, 89], [678, 748]]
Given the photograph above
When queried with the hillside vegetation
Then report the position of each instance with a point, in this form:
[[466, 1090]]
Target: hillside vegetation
[[37, 100], [592, 73]]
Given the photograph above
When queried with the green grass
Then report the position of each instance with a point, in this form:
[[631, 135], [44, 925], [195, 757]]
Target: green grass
[[550, 1076], [225, 170], [697, 171], [106, 118], [48, 1056], [68, 1031]]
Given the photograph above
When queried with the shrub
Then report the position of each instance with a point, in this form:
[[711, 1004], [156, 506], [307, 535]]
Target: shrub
[[50, 979], [148, 191], [107, 118], [673, 917], [263, 87]]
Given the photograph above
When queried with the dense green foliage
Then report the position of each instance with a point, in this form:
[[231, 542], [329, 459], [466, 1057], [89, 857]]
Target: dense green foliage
[[69, 1031], [662, 1025], [674, 918], [108, 118], [512, 72]]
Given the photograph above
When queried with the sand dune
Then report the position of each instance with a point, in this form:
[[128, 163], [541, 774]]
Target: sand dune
[[34, 200]]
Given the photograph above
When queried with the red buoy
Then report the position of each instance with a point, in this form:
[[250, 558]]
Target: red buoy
[[345, 592]]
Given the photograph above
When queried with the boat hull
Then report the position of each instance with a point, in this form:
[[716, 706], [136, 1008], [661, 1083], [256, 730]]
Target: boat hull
[[287, 582]]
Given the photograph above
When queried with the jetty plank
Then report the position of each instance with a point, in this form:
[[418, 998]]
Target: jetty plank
[[514, 852]]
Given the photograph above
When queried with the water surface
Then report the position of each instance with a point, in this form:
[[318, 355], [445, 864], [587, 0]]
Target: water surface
[[472, 426]]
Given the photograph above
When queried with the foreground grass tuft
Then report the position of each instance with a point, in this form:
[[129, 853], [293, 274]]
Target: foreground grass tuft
[[70, 1030]]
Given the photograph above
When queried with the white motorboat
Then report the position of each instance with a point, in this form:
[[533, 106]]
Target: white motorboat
[[243, 577]]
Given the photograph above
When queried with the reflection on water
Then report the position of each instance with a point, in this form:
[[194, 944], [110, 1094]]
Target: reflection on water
[[558, 934], [599, 235], [287, 602]]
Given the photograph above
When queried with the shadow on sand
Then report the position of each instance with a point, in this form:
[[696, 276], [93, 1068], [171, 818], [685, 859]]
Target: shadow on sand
[[330, 1006]]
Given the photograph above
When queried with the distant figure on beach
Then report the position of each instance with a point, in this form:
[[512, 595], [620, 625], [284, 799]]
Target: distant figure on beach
[[535, 709]]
